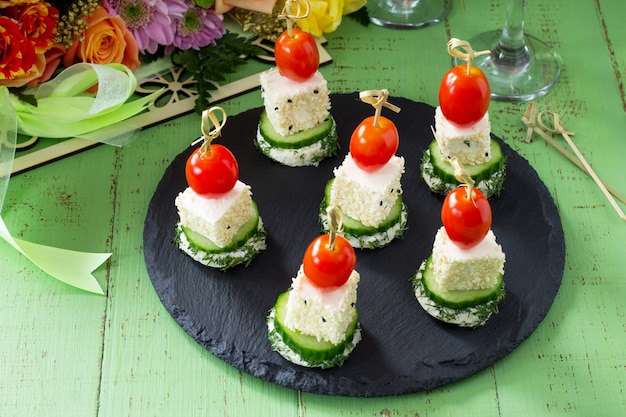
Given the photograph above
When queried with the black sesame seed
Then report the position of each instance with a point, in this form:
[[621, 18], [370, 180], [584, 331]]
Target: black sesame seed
[[304, 302], [289, 100], [323, 319], [276, 108], [228, 227], [352, 305], [381, 203], [290, 127], [487, 154], [315, 91]]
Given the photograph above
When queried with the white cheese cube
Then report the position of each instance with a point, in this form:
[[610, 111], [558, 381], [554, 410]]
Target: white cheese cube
[[367, 196], [294, 106], [324, 313], [217, 218], [470, 145], [467, 269]]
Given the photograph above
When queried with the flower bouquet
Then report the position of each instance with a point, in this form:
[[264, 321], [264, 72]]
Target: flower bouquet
[[68, 72], [41, 42]]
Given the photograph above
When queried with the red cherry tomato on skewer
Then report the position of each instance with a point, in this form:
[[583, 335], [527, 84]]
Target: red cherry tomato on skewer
[[464, 97], [214, 171], [373, 146], [297, 57], [466, 218], [326, 266]]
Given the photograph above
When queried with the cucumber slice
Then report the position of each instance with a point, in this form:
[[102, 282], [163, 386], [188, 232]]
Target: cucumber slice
[[458, 299], [297, 140], [243, 254], [445, 171], [442, 184], [354, 227], [310, 350], [245, 232]]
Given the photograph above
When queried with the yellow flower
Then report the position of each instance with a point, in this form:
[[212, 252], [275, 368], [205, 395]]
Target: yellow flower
[[351, 6], [325, 15]]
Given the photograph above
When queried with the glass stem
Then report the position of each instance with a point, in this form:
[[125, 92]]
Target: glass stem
[[511, 51]]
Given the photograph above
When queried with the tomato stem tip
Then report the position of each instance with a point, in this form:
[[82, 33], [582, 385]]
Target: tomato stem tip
[[463, 50], [290, 15], [378, 99], [209, 117], [335, 224]]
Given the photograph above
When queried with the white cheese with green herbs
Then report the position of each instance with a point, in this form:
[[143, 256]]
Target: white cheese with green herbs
[[367, 196], [324, 313], [294, 106], [218, 217], [467, 269], [470, 145]]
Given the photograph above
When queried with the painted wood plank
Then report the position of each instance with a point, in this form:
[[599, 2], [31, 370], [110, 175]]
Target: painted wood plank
[[53, 334], [150, 365]]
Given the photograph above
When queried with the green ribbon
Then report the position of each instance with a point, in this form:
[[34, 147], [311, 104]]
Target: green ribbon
[[66, 107]]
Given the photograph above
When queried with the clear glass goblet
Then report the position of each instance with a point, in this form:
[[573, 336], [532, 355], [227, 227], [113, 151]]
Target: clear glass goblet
[[407, 14], [519, 67]]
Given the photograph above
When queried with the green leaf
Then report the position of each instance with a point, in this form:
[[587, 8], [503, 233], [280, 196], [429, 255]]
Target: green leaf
[[211, 64], [361, 16], [26, 98], [205, 4]]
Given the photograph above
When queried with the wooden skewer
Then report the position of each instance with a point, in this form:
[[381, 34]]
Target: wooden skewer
[[571, 157], [558, 128]]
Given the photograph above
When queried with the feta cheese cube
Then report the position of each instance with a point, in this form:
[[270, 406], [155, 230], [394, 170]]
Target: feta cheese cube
[[217, 218], [467, 269], [294, 106], [470, 145], [321, 312], [367, 196]]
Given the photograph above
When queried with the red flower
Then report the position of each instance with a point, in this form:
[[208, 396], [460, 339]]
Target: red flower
[[17, 53], [37, 21]]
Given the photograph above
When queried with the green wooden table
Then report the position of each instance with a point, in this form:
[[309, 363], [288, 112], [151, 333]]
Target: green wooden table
[[66, 352]]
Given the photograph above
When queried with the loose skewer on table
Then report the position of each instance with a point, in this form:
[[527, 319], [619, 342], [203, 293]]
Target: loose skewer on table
[[529, 117]]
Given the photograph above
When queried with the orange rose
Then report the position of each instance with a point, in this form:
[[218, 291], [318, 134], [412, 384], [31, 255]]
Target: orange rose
[[106, 40]]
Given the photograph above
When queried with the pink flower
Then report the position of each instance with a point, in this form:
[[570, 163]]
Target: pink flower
[[152, 22], [197, 28]]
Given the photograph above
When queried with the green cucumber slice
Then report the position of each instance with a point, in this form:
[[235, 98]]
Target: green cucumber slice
[[308, 347], [458, 299], [245, 232], [445, 171], [354, 227], [297, 140]]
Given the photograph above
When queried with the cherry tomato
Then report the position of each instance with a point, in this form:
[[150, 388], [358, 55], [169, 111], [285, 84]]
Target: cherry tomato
[[464, 98], [466, 220], [297, 57], [372, 146], [213, 172], [327, 267]]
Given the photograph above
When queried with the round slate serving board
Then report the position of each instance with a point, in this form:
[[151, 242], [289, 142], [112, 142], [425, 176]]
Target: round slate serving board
[[403, 349]]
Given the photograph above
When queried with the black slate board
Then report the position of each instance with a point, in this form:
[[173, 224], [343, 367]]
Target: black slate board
[[403, 349]]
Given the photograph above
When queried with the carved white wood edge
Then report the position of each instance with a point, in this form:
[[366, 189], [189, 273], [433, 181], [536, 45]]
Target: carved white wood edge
[[182, 97]]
